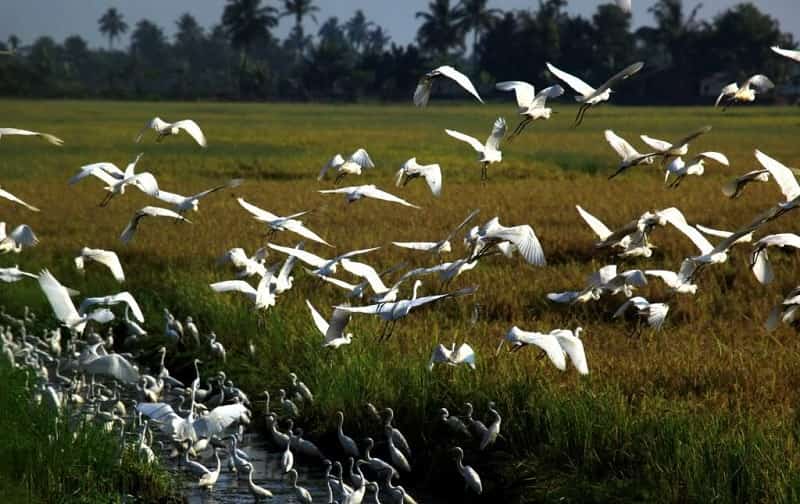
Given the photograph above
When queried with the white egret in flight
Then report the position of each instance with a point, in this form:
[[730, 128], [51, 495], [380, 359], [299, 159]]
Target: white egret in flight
[[247, 266], [733, 93], [165, 129], [522, 237], [489, 151], [130, 230], [125, 298], [44, 136], [788, 53], [530, 105], [441, 245], [353, 165], [589, 96], [324, 267], [695, 166], [759, 260], [355, 193], [10, 197], [14, 274], [423, 91], [182, 204], [667, 150], [654, 313], [20, 237], [629, 155], [107, 258], [733, 188], [277, 223], [680, 282], [117, 180], [262, 296], [64, 309], [452, 356], [410, 170], [333, 332]]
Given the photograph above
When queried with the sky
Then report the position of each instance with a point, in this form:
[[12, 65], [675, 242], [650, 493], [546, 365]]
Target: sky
[[29, 19]]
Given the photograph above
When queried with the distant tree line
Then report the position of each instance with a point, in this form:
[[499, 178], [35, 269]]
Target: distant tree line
[[240, 58]]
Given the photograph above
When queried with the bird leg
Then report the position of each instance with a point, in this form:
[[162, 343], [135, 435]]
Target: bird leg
[[484, 172], [106, 199], [338, 178], [521, 126], [581, 112]]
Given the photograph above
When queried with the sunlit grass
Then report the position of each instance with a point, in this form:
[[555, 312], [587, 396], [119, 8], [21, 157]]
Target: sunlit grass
[[702, 411]]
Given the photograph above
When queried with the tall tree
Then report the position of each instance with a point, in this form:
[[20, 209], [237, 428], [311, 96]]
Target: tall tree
[[112, 25], [13, 42], [299, 9], [440, 30], [189, 31], [247, 21], [357, 30], [613, 40], [477, 17]]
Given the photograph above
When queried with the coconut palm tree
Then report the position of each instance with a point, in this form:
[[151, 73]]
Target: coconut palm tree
[[357, 30], [440, 30], [112, 25], [245, 22], [299, 9], [475, 16]]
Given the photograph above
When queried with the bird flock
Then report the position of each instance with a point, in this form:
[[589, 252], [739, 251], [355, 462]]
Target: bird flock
[[82, 376]]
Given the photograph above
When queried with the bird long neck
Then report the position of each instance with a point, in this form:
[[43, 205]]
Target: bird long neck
[[414, 293]]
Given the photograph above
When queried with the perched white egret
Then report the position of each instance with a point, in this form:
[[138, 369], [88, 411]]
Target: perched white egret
[[19, 238], [324, 267], [248, 266], [349, 446], [262, 296], [734, 93], [666, 150], [654, 313], [182, 204], [14, 274], [302, 495], [51, 139], [587, 95], [333, 332], [396, 456], [629, 155], [759, 260], [208, 480], [530, 105], [452, 356], [355, 193], [287, 457], [471, 479], [489, 151], [423, 91], [522, 238], [64, 309], [130, 230], [164, 129], [733, 188], [410, 170], [440, 246], [258, 492], [10, 197], [276, 223], [289, 408], [788, 53], [216, 348], [358, 160], [695, 166], [493, 431], [107, 258]]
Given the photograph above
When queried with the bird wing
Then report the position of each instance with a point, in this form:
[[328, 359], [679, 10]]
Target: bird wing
[[422, 93], [621, 146], [361, 158], [464, 354], [657, 314], [466, 221], [726, 91], [335, 161], [354, 253], [700, 241], [151, 211], [44, 136], [760, 82], [7, 195], [526, 242], [617, 78], [191, 127], [58, 297], [115, 366], [145, 182], [107, 172], [159, 412], [339, 321], [433, 177], [779, 240], [368, 309], [130, 301], [713, 232], [460, 79], [715, 156], [573, 346], [24, 235], [108, 259], [234, 286], [287, 267], [336, 282], [783, 175], [229, 185], [258, 213], [219, 419], [691, 136], [668, 277], [299, 228], [307, 257], [498, 132], [600, 229], [370, 191], [575, 83], [440, 354], [169, 197], [524, 92], [549, 92], [562, 297], [656, 144], [366, 272], [788, 53], [426, 246], [466, 138], [319, 320], [155, 123]]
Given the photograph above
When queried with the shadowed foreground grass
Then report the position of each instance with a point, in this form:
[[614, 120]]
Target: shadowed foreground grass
[[702, 411]]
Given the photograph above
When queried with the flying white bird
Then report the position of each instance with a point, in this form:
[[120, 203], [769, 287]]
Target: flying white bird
[[759, 260], [441, 245], [117, 180], [605, 280], [182, 204], [680, 282], [276, 223], [355, 193], [248, 266], [449, 270], [630, 156], [107, 258], [165, 129], [783, 176], [521, 237], [14, 274], [489, 152], [20, 237], [64, 309], [148, 211], [733, 93], [111, 365], [589, 96], [788, 53], [452, 356], [530, 105], [411, 170], [719, 233], [733, 188], [262, 296], [125, 298], [7, 195], [44, 136], [333, 332], [695, 166], [324, 267], [423, 91], [654, 313], [666, 150], [353, 165]]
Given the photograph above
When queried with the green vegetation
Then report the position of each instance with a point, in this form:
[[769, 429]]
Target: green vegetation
[[702, 411]]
